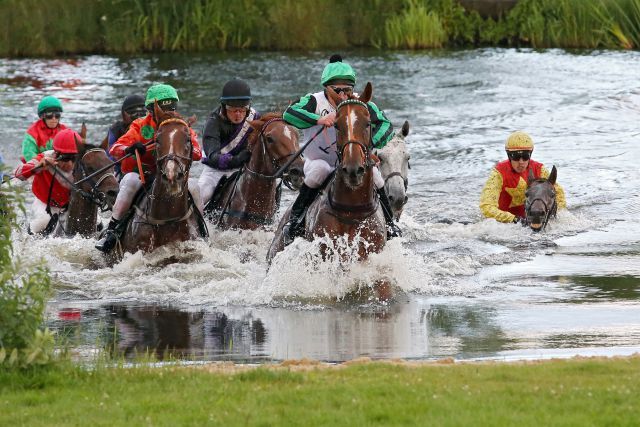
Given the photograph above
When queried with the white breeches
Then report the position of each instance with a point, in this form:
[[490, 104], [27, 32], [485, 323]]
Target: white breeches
[[316, 171], [130, 185], [208, 181], [39, 216]]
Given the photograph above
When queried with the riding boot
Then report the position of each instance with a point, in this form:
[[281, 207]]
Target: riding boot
[[110, 237], [392, 228], [295, 226]]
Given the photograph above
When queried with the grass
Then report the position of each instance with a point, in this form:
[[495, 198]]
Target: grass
[[576, 392], [36, 28]]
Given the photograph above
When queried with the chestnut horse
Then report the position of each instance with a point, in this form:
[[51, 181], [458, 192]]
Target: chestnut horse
[[350, 206], [540, 203], [250, 200], [167, 214]]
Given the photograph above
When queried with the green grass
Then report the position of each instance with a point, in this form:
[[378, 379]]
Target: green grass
[[585, 392]]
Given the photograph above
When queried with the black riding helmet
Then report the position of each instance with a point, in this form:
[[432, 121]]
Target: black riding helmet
[[134, 106], [236, 93]]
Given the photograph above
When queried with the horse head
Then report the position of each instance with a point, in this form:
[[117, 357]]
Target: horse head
[[353, 135], [273, 142], [540, 202], [173, 150], [96, 179], [394, 167]]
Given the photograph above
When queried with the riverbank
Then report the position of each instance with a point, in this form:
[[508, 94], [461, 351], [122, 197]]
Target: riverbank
[[567, 392], [34, 28]]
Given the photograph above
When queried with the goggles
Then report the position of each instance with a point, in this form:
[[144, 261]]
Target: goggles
[[519, 155], [235, 110], [52, 115], [65, 157], [347, 90], [136, 113]]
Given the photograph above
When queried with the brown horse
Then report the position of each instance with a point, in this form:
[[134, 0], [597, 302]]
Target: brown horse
[[540, 204], [250, 200], [167, 214], [95, 186], [350, 206]]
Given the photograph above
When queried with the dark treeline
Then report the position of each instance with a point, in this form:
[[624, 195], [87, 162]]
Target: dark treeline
[[40, 28]]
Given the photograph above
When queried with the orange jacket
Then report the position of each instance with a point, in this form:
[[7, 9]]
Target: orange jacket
[[144, 130]]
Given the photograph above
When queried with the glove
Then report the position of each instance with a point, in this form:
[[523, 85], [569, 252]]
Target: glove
[[516, 220], [239, 159], [138, 146]]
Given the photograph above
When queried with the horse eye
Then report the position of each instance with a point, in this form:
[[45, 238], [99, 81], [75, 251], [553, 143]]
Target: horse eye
[[269, 140], [408, 165]]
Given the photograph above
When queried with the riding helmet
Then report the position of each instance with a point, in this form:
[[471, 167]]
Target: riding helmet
[[65, 141], [236, 93], [133, 103], [49, 104], [166, 96], [338, 72], [519, 141]]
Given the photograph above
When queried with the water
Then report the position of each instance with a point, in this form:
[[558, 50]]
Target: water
[[466, 287]]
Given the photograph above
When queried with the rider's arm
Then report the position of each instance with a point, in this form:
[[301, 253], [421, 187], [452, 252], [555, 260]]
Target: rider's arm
[[490, 196], [211, 138], [29, 147], [561, 199], [127, 140], [27, 170], [381, 128], [197, 152], [302, 114]]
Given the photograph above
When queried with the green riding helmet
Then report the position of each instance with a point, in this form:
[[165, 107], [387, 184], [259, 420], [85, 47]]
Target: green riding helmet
[[166, 95], [338, 70], [49, 104]]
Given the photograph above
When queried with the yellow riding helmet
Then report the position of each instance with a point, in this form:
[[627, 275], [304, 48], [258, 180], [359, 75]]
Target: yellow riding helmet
[[519, 141]]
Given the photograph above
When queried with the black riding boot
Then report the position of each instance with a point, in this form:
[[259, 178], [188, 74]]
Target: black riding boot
[[110, 237], [295, 226], [392, 228]]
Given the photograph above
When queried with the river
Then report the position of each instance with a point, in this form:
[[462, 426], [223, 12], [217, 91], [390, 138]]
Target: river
[[467, 287]]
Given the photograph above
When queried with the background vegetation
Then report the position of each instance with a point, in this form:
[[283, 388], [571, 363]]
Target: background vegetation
[[37, 28]]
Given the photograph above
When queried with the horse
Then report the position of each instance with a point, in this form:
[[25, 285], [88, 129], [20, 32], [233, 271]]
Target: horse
[[350, 206], [166, 214], [250, 199], [95, 186], [394, 167], [540, 203]]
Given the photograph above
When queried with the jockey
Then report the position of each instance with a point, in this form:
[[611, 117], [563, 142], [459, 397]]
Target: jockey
[[132, 108], [311, 113], [503, 195], [225, 136], [141, 132], [51, 186], [40, 134]]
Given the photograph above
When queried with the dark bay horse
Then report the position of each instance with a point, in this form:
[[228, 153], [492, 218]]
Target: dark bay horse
[[540, 204], [250, 201], [350, 206], [166, 214], [95, 186]]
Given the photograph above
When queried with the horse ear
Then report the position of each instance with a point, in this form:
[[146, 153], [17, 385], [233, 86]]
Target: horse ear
[[157, 111], [531, 177], [553, 175], [333, 96], [192, 120], [366, 95], [83, 132], [255, 124], [405, 128], [80, 144]]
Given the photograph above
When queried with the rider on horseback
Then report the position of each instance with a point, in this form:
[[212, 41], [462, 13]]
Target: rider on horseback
[[503, 195], [315, 111], [39, 137], [141, 132], [53, 171], [225, 136], [132, 109]]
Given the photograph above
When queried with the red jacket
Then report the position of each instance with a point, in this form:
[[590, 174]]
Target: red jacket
[[42, 183], [143, 130], [39, 138], [510, 180]]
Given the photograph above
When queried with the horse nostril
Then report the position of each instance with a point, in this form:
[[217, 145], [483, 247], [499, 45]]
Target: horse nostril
[[391, 198], [360, 171], [406, 199]]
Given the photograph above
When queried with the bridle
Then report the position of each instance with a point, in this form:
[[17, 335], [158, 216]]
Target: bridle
[[366, 149], [94, 195], [405, 180], [162, 161], [549, 210]]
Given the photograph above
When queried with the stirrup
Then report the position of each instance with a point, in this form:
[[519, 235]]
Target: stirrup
[[107, 242]]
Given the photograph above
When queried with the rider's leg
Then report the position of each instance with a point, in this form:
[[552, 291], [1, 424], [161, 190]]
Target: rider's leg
[[208, 181], [315, 173], [194, 190], [129, 186], [392, 228], [39, 216]]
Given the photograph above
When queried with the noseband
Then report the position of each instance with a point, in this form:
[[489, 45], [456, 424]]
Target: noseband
[[548, 210]]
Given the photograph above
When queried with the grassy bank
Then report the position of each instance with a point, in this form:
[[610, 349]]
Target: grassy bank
[[576, 392], [37, 28]]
